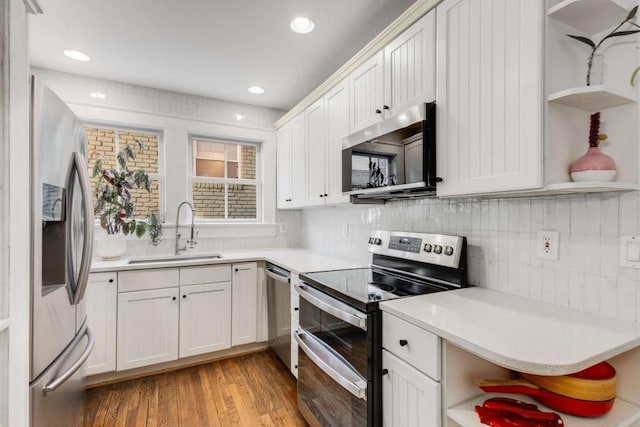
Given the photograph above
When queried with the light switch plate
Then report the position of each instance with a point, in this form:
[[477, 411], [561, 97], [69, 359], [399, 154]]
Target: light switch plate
[[630, 251], [548, 243]]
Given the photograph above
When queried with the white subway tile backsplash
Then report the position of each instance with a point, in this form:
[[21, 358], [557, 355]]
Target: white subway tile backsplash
[[502, 238], [609, 217]]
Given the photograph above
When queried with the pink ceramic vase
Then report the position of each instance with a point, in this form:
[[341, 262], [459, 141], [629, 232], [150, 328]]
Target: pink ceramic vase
[[593, 166]]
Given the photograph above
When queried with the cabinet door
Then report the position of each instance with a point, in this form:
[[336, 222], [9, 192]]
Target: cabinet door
[[283, 166], [409, 398], [409, 66], [366, 90], [205, 318], [102, 299], [298, 162], [489, 94], [244, 303], [316, 149], [147, 327], [337, 124]]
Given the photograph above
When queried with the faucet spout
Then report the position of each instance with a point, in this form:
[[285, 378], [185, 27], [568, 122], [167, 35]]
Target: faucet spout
[[192, 241]]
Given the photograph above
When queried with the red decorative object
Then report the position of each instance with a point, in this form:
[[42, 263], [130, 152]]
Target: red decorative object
[[504, 412], [594, 165]]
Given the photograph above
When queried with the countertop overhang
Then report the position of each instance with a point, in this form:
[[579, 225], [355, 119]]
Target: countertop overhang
[[518, 333]]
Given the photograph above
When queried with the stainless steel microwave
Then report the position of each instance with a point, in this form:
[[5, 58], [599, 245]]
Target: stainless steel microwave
[[394, 158]]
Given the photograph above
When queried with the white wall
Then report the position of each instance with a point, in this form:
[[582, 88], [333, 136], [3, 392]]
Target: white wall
[[501, 236], [177, 116]]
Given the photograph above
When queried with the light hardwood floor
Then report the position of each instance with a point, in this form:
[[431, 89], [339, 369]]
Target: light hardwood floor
[[250, 390]]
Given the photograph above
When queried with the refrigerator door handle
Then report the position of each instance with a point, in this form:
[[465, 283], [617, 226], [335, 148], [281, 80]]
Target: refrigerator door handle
[[79, 167], [52, 385]]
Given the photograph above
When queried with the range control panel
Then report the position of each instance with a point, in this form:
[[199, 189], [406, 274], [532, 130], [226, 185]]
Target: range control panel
[[438, 249]]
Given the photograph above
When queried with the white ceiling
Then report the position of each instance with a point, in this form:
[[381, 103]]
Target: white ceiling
[[214, 48]]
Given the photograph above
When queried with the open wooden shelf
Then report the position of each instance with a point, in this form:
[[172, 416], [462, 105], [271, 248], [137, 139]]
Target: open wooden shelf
[[623, 413], [588, 16], [592, 98]]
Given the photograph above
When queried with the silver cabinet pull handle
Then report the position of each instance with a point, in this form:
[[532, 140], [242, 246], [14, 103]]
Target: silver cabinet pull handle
[[332, 306], [331, 364], [52, 385]]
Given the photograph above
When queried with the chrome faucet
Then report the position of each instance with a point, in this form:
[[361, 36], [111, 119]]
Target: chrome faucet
[[192, 241]]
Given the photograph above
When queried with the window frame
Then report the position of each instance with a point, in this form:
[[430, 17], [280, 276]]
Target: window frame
[[160, 175], [257, 182]]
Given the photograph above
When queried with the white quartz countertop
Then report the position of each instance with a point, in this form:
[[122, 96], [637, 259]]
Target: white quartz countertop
[[294, 260], [518, 333]]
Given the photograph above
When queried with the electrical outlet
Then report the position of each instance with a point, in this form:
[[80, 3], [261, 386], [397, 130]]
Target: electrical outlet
[[283, 228], [345, 230], [548, 242]]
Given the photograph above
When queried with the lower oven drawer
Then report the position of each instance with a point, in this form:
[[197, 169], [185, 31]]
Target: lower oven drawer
[[330, 391]]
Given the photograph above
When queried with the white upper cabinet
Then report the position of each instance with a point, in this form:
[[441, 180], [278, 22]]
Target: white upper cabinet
[[316, 150], [291, 162], [489, 96], [337, 125], [367, 87], [409, 66], [283, 166], [327, 123]]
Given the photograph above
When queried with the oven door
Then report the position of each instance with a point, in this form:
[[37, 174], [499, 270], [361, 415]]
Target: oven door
[[333, 365]]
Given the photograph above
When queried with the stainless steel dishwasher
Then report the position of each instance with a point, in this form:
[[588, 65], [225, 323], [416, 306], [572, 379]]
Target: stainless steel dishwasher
[[279, 310]]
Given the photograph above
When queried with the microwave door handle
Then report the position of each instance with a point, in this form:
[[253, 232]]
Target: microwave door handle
[[79, 285], [275, 276], [52, 385], [332, 306], [331, 365]]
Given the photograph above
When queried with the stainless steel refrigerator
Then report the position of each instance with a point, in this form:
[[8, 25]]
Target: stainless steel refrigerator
[[62, 239]]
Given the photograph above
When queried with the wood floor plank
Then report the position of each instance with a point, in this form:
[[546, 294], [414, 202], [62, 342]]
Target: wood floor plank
[[247, 391]]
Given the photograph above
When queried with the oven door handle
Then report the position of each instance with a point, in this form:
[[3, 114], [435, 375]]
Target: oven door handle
[[331, 364], [332, 306]]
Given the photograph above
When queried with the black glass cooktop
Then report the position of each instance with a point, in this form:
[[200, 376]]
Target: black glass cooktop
[[365, 286]]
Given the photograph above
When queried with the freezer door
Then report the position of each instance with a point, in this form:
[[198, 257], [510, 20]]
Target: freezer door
[[57, 395]]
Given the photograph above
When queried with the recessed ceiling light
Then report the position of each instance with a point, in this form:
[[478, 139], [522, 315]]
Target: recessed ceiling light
[[239, 117], [77, 55], [98, 95], [302, 25], [257, 90]]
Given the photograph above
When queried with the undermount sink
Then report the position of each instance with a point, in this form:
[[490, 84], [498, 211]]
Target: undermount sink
[[174, 258]]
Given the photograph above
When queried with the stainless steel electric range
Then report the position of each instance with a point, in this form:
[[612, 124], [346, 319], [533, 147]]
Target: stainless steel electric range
[[340, 334]]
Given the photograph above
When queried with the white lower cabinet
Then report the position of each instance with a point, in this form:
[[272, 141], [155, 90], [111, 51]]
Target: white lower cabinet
[[244, 304], [102, 300], [409, 397], [205, 318], [147, 327], [411, 363]]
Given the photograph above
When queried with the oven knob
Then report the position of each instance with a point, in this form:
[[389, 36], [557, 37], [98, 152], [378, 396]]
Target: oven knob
[[448, 250], [428, 247], [370, 240], [437, 249], [377, 241]]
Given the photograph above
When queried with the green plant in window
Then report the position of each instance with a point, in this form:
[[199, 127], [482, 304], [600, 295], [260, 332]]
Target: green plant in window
[[113, 200]]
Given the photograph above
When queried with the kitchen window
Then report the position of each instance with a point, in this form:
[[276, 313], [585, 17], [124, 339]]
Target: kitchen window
[[224, 183], [105, 142]]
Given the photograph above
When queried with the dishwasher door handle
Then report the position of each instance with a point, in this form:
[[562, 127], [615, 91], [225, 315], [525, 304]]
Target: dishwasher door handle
[[277, 277]]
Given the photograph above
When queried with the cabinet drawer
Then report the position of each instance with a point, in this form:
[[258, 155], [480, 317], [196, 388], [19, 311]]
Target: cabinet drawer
[[205, 274], [142, 280], [414, 345]]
